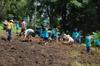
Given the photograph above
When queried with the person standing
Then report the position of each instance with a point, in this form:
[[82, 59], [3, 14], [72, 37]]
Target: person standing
[[17, 26], [23, 26], [53, 33], [80, 37], [56, 35], [45, 35], [9, 29], [88, 41], [75, 35]]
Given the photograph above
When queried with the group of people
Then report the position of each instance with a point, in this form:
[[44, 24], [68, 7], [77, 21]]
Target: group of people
[[10, 24], [55, 34], [43, 32], [46, 34]]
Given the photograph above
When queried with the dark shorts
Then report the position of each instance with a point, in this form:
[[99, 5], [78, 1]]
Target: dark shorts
[[23, 30], [88, 49], [45, 38]]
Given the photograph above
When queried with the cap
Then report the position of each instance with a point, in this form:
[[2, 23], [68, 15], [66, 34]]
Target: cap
[[11, 21]]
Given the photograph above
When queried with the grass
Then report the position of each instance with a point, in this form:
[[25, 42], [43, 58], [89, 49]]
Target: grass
[[1, 27]]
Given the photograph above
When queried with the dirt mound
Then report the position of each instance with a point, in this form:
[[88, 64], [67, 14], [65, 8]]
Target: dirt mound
[[30, 54], [53, 54]]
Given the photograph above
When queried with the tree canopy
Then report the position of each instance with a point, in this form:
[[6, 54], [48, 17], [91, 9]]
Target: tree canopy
[[82, 14]]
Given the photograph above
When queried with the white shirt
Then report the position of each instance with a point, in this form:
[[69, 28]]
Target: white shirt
[[70, 39], [28, 31]]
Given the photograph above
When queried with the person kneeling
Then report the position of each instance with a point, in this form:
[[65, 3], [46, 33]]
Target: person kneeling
[[68, 39]]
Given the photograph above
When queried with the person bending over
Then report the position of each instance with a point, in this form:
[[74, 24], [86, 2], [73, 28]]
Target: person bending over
[[28, 34], [68, 39]]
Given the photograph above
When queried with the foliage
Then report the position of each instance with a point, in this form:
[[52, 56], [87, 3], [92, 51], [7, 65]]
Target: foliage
[[14, 7], [82, 14], [97, 36], [76, 3]]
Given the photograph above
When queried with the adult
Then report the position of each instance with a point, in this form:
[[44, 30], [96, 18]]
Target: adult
[[75, 35], [45, 35], [68, 39], [88, 41], [28, 34], [23, 26], [9, 29], [17, 26]]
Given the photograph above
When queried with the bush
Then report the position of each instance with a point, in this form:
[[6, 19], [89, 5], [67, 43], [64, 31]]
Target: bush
[[97, 39]]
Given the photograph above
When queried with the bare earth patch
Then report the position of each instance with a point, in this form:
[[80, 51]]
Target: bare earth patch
[[17, 53]]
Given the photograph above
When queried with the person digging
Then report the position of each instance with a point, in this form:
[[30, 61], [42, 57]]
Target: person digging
[[28, 34]]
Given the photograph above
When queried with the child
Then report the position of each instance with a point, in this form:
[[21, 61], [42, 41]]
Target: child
[[9, 29], [88, 41]]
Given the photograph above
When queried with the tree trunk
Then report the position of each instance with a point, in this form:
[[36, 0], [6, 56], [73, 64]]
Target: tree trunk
[[64, 20], [51, 15]]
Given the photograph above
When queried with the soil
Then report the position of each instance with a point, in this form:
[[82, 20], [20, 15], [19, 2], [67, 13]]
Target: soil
[[18, 53]]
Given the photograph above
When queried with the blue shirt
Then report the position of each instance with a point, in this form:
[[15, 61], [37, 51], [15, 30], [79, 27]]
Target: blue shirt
[[53, 31], [88, 41], [97, 42], [75, 34], [40, 32], [45, 34], [57, 34], [17, 24]]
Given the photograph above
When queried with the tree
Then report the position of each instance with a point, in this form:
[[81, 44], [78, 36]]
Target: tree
[[82, 14], [14, 7]]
